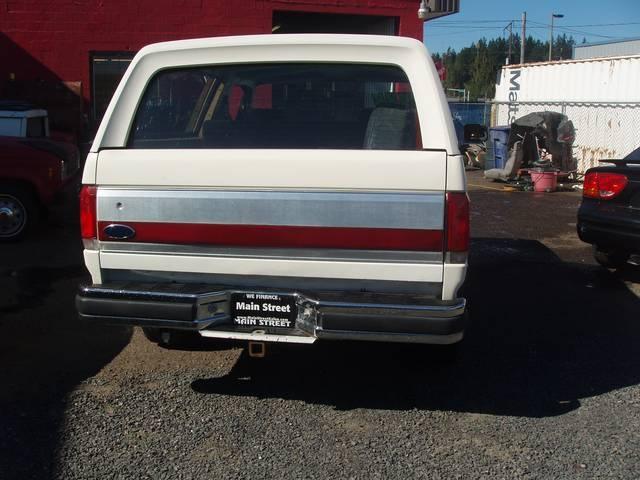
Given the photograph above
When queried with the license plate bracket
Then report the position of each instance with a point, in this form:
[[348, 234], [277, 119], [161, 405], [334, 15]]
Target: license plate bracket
[[263, 311]]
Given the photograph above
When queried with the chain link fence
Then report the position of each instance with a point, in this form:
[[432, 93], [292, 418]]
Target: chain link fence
[[603, 130], [471, 112]]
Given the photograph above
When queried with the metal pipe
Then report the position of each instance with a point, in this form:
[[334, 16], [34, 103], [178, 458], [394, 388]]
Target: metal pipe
[[553, 15], [523, 38]]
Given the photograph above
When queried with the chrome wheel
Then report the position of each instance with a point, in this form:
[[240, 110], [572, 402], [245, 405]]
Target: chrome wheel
[[13, 216]]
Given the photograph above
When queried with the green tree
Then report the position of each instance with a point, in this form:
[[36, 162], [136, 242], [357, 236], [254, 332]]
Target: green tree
[[476, 67], [562, 47], [481, 82]]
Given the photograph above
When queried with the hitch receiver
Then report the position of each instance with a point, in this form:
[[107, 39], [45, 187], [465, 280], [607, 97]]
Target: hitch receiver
[[257, 349]]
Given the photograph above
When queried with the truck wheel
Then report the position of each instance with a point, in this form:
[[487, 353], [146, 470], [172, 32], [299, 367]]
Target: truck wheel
[[19, 212], [610, 258]]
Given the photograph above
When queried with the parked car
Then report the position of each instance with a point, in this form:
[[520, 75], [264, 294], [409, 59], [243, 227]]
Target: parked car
[[279, 188], [609, 217], [33, 168]]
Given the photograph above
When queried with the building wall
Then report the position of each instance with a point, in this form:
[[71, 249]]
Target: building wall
[[617, 48], [51, 40]]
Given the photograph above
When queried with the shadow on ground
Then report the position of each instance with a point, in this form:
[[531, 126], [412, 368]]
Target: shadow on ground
[[46, 352], [544, 334]]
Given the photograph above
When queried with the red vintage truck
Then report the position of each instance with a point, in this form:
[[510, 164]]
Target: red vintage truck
[[34, 168]]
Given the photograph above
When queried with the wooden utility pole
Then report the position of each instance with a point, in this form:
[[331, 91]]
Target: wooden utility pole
[[523, 38], [510, 27]]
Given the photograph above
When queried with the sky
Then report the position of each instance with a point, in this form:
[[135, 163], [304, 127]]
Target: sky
[[590, 19]]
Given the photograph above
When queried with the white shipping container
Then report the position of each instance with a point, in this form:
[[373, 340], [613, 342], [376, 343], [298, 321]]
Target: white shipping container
[[615, 79], [600, 96]]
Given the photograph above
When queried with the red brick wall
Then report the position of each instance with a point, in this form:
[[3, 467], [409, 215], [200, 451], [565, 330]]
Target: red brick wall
[[51, 39]]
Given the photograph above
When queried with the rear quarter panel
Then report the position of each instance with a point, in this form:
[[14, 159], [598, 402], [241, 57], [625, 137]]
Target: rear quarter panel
[[33, 167]]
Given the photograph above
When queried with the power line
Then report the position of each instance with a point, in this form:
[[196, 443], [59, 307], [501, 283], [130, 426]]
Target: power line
[[588, 34], [463, 26], [461, 29], [605, 24], [570, 30], [473, 22], [539, 37], [540, 26], [460, 32], [470, 21], [480, 25]]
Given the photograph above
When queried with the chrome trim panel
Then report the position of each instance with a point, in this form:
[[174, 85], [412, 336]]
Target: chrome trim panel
[[196, 325], [257, 336], [385, 256], [389, 337], [460, 258], [350, 308], [338, 335], [317, 209], [431, 289], [214, 266]]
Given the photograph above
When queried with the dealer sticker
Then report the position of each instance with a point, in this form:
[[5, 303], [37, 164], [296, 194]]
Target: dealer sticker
[[263, 310]]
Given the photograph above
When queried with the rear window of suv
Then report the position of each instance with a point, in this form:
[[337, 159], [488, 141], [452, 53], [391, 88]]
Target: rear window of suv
[[279, 106]]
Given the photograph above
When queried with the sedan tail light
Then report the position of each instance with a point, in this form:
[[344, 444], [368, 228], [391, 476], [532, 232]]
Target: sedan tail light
[[604, 185]]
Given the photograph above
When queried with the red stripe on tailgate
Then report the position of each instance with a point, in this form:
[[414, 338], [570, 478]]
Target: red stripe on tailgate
[[283, 236]]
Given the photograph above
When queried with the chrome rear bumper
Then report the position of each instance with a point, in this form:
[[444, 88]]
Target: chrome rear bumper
[[321, 315]]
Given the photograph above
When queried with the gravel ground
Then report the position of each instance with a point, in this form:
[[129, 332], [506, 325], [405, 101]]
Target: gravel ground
[[546, 385]]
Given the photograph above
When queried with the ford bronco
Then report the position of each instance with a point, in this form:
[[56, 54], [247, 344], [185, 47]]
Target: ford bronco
[[278, 188]]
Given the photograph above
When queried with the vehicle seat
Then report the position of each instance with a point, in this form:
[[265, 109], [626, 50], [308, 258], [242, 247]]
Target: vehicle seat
[[390, 129], [218, 133], [514, 162]]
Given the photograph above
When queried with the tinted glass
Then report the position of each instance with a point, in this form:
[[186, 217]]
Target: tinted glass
[[35, 127], [334, 106], [10, 126], [635, 155]]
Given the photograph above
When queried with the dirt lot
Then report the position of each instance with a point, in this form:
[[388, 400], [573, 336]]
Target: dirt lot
[[546, 385]]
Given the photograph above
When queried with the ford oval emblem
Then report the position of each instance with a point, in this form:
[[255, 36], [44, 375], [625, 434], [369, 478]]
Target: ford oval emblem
[[116, 231]]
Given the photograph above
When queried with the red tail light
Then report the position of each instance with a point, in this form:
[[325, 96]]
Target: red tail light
[[88, 218], [604, 185], [457, 222]]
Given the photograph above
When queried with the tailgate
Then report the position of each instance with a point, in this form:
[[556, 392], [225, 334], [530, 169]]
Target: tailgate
[[373, 219]]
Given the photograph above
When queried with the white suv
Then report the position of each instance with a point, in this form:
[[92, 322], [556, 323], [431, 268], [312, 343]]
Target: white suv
[[283, 188]]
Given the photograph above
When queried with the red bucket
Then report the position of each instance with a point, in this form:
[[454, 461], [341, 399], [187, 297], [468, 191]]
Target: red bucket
[[544, 181]]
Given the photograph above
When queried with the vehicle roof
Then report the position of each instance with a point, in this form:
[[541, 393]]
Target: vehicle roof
[[408, 53], [16, 105], [20, 109], [22, 114], [283, 39]]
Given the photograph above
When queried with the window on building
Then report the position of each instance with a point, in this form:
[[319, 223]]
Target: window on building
[[36, 127], [312, 22], [107, 68], [331, 106]]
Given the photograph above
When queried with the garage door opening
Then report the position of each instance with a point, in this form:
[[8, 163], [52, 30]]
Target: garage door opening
[[304, 22]]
